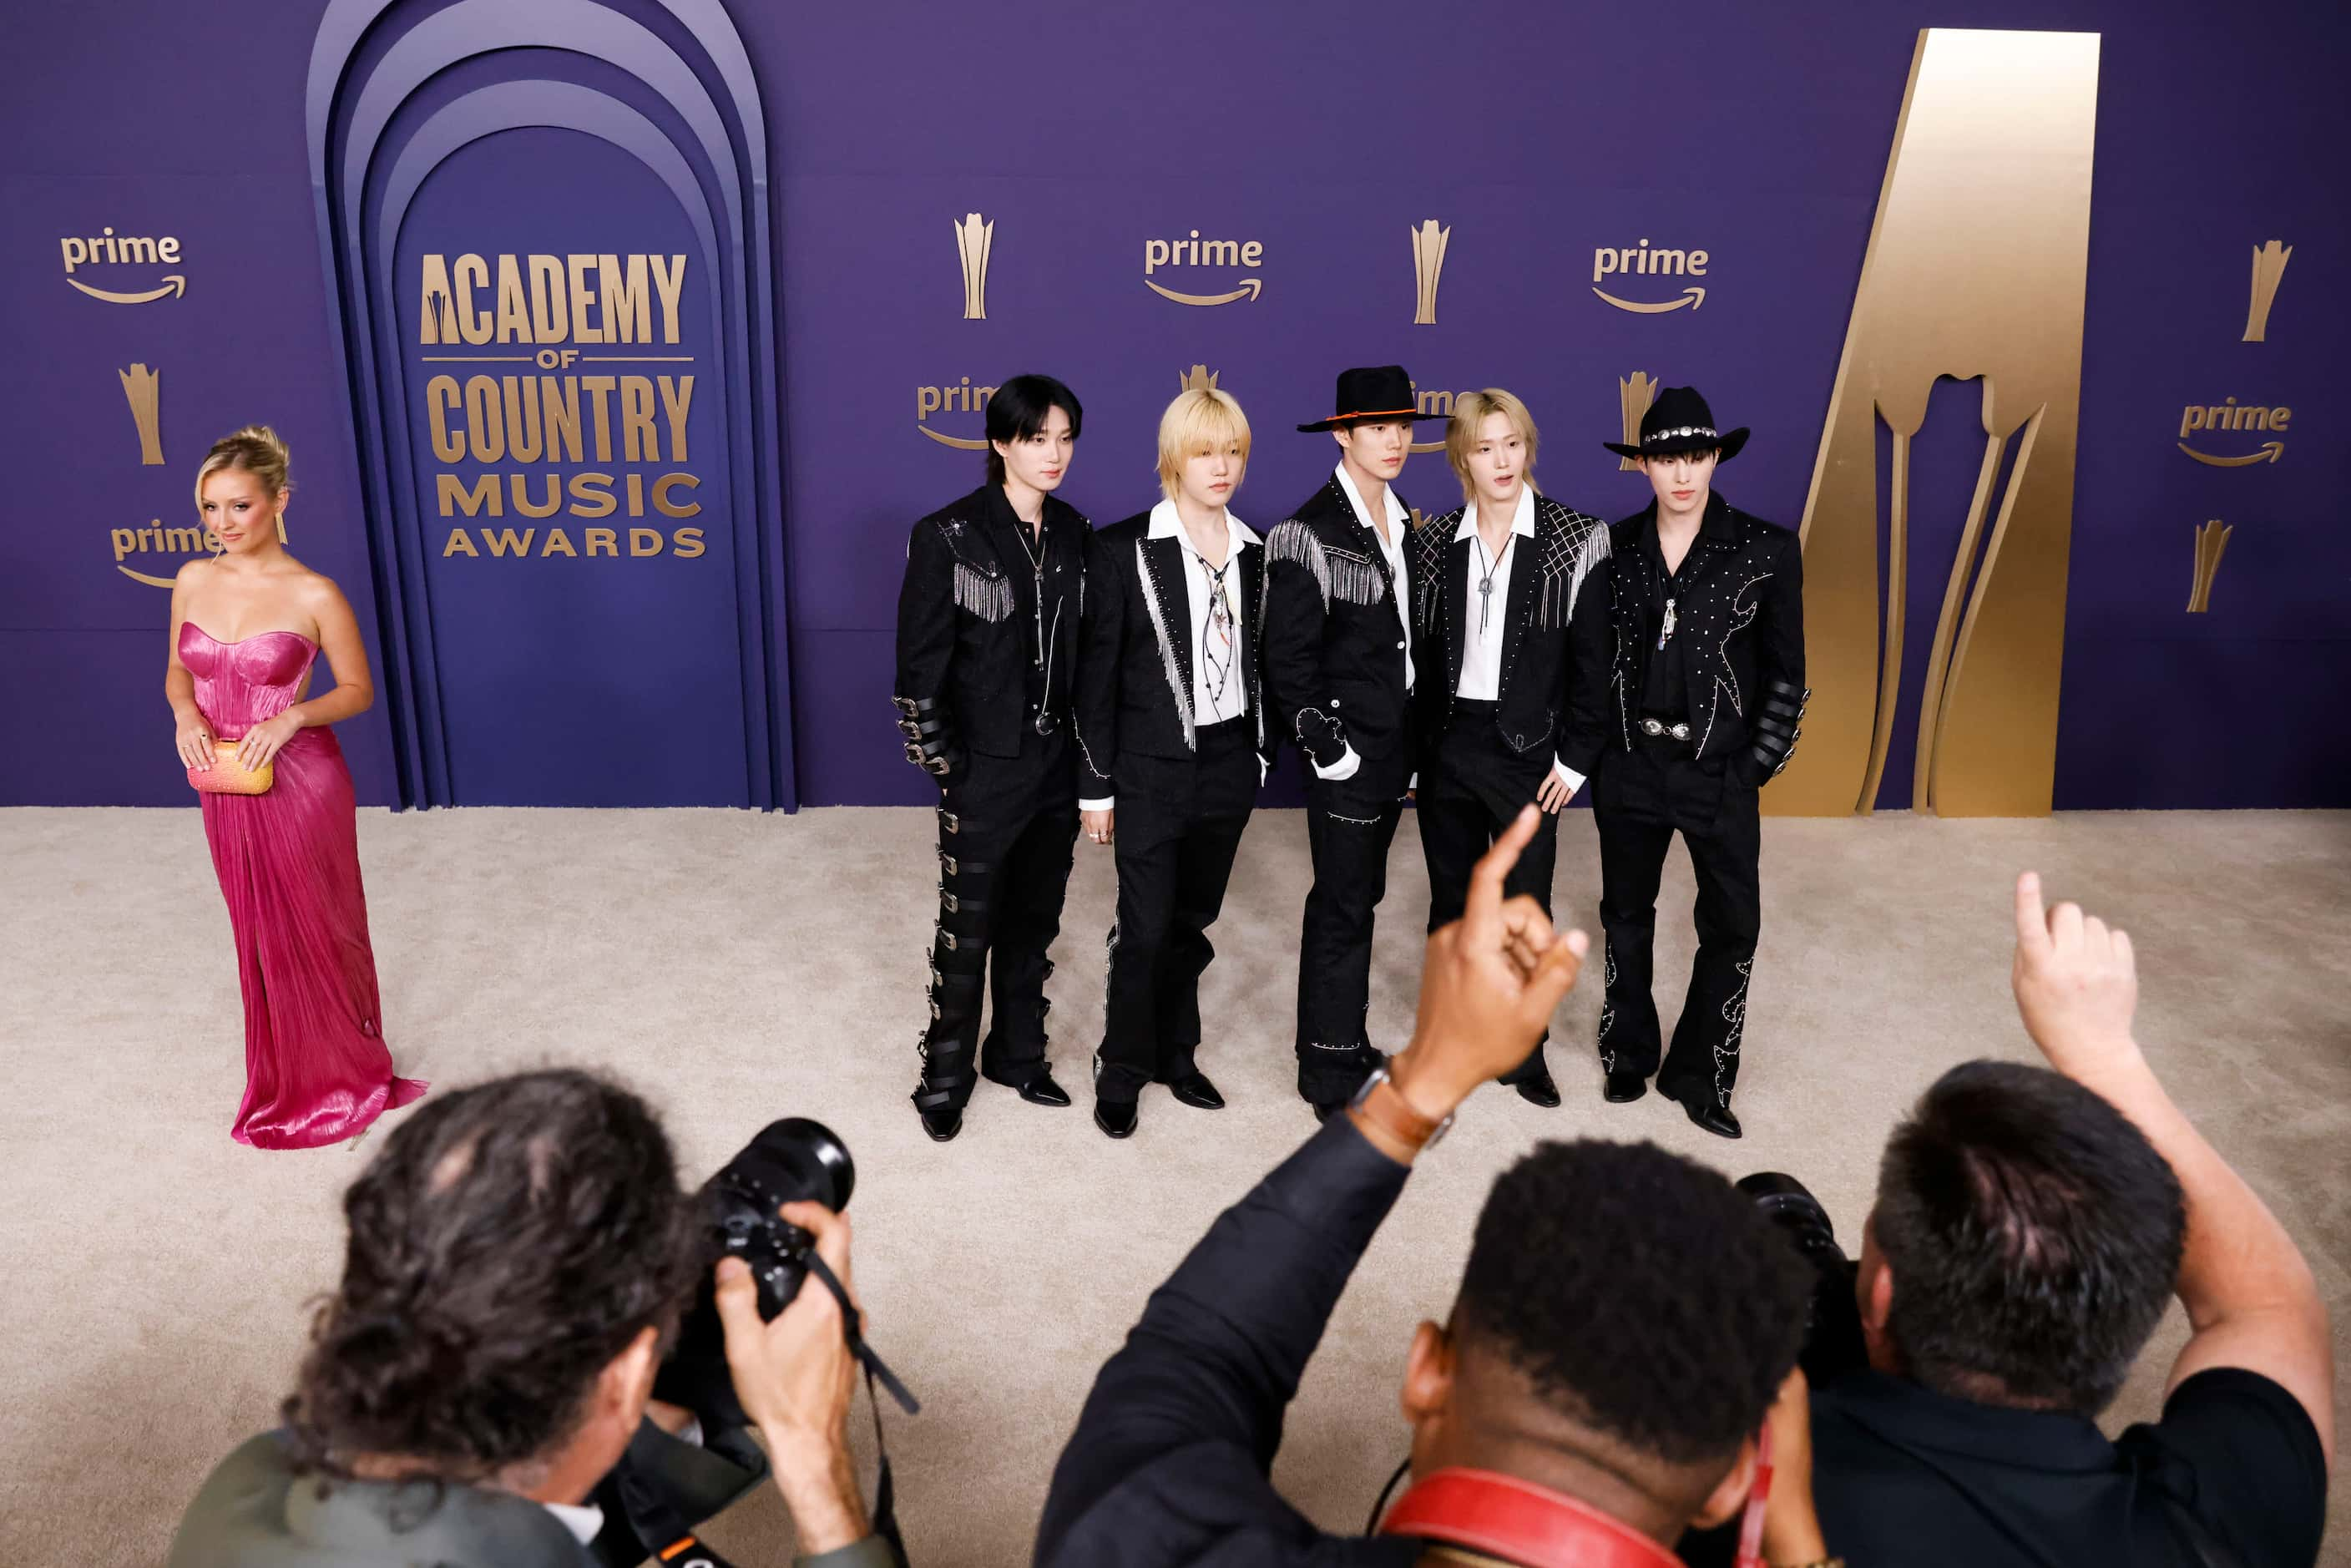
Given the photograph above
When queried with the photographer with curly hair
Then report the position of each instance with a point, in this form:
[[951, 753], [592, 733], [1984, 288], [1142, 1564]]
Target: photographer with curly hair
[[1625, 1321], [519, 1257]]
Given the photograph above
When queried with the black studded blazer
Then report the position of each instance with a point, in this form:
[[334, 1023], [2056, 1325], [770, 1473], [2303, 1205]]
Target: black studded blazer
[[1135, 652], [1547, 581], [1743, 611], [970, 629]]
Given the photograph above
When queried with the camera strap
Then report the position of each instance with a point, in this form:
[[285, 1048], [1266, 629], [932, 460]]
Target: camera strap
[[877, 1371]]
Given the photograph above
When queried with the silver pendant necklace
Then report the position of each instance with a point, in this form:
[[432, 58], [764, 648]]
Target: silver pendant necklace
[[1486, 581]]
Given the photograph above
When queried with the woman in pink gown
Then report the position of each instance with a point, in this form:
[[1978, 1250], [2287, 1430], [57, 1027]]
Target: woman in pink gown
[[247, 628]]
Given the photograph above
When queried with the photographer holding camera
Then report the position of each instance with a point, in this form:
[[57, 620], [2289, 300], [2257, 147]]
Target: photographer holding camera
[[2032, 1225], [519, 1258]]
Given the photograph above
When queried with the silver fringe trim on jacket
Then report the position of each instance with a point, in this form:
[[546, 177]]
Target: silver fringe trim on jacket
[[1351, 579], [1565, 571], [1176, 686], [989, 598]]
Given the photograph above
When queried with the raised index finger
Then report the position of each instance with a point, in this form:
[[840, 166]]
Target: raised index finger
[[2032, 919], [1481, 918]]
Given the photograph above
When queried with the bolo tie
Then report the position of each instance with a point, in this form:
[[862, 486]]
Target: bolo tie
[[1486, 581], [1217, 632]]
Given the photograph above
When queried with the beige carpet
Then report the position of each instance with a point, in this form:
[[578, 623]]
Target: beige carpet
[[737, 967]]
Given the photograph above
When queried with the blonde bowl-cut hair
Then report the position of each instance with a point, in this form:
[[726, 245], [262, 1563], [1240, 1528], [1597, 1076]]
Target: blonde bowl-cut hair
[[1469, 412], [1199, 419], [258, 451]]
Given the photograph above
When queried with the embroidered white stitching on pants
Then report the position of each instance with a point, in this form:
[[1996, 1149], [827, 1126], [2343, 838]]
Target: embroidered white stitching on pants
[[1734, 1013]]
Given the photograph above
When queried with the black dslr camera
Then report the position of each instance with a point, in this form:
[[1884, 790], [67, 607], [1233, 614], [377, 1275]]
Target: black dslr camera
[[790, 1161], [1833, 1338]]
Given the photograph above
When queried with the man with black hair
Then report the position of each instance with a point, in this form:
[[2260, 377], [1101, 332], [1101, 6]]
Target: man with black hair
[[519, 1256], [1625, 1321], [1692, 666], [987, 649], [1337, 632], [2030, 1226]]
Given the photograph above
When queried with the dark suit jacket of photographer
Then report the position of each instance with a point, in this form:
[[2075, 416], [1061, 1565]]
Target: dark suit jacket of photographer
[[255, 1511], [1169, 1464]]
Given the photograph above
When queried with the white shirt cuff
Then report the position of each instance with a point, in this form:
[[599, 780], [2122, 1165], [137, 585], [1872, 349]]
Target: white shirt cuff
[[1107, 802], [1567, 776], [1342, 768]]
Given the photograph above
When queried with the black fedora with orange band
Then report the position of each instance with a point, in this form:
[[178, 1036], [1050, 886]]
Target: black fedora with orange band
[[1374, 394]]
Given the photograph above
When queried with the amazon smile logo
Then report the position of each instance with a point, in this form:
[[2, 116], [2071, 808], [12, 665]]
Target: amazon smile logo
[[961, 398], [2229, 414], [1639, 260], [109, 249], [1193, 250]]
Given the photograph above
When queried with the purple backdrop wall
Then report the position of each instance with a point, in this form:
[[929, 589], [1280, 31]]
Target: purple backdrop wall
[[1325, 134]]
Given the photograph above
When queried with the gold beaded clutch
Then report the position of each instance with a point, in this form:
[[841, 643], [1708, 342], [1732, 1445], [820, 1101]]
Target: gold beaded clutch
[[227, 775]]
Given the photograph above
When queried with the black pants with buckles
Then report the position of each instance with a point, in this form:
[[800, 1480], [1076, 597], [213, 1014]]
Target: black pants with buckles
[[1472, 786], [1007, 826], [1179, 826], [1640, 798], [1349, 826]]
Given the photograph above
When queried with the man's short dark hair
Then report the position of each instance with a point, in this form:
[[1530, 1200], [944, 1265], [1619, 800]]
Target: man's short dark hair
[[1016, 411], [2034, 1237], [1639, 1292], [509, 1240]]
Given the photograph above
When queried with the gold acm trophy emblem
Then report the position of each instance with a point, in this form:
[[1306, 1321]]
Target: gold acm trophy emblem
[[2269, 271], [1635, 394], [974, 238], [139, 386], [2210, 540], [1995, 138], [1428, 242]]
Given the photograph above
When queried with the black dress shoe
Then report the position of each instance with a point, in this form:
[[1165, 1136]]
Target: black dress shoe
[[1705, 1110], [1624, 1088], [943, 1125], [1042, 1091], [1194, 1089], [1540, 1092], [1115, 1117]]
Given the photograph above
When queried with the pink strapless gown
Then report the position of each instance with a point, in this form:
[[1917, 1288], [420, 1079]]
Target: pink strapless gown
[[316, 1069]]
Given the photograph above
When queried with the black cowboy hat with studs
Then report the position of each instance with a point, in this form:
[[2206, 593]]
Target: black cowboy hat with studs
[[1679, 421], [1374, 394]]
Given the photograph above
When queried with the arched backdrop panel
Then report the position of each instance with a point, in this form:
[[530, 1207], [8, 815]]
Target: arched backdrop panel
[[596, 617]]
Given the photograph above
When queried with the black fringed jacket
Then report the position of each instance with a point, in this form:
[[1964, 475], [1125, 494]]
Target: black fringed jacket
[[969, 630], [1332, 639]]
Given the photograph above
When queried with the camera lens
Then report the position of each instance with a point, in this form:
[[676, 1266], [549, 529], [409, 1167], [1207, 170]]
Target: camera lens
[[792, 1161]]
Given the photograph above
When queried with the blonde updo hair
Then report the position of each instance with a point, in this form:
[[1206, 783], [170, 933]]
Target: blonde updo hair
[[256, 449]]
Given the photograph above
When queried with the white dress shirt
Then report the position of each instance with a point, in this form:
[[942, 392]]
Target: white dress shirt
[[1212, 700], [1481, 644], [1391, 546]]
